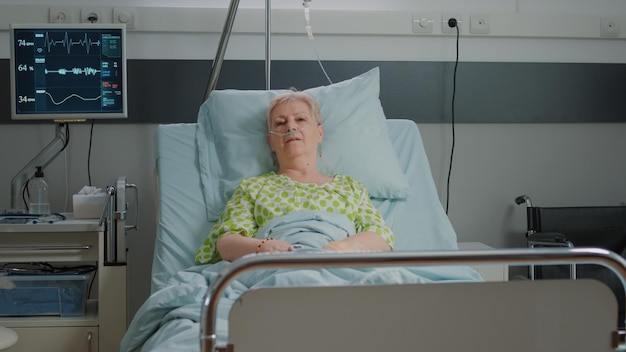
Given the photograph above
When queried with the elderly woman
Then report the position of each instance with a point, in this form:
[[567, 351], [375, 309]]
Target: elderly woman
[[295, 134]]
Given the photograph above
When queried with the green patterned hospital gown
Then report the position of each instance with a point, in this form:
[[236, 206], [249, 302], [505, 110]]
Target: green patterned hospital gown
[[260, 199]]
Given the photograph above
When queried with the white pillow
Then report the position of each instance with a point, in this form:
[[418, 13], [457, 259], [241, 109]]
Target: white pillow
[[232, 140]]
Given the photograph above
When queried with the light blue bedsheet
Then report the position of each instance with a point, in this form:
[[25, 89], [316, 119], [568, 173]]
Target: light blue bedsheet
[[169, 319]]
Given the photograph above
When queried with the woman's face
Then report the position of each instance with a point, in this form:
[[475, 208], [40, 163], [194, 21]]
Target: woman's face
[[294, 131]]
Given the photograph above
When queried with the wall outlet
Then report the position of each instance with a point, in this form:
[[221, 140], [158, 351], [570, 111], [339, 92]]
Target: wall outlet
[[126, 15], [479, 24], [423, 23], [95, 15], [609, 27], [445, 27], [60, 14]]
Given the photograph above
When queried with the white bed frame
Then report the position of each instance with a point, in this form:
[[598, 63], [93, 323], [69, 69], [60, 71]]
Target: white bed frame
[[547, 315]]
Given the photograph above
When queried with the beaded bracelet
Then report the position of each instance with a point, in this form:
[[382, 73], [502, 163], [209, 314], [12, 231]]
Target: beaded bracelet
[[258, 247]]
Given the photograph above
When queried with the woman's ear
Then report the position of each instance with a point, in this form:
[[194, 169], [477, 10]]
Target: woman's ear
[[321, 130], [269, 141]]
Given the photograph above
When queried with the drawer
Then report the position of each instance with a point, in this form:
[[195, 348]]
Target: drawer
[[56, 339], [20, 247]]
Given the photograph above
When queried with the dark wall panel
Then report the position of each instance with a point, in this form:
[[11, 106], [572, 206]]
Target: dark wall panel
[[170, 91]]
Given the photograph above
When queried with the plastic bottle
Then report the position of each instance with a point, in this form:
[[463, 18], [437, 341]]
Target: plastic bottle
[[39, 201]]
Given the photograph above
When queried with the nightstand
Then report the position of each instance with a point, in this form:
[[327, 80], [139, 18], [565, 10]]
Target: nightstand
[[69, 241]]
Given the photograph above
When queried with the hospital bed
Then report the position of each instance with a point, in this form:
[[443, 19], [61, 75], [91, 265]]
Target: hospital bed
[[421, 296]]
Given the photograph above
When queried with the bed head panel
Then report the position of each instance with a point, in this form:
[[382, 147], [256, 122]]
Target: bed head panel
[[418, 221]]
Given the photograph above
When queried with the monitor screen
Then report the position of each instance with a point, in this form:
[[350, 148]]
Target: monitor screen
[[68, 71]]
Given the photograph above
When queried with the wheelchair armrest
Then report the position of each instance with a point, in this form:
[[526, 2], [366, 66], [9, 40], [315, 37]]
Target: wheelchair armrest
[[548, 237]]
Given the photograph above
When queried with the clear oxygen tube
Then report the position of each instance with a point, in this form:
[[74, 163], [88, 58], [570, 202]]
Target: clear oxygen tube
[[288, 133]]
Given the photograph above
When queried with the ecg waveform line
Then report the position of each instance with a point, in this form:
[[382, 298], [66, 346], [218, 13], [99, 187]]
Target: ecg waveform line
[[73, 95], [68, 43], [76, 71]]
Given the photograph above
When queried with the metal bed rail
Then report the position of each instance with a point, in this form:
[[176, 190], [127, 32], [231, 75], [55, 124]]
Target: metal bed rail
[[216, 67], [513, 257]]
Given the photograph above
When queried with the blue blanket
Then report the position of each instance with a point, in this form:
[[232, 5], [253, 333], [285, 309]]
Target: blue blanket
[[170, 318], [309, 229]]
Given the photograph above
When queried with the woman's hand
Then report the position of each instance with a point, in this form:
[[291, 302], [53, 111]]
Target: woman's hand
[[272, 245], [362, 241], [234, 246]]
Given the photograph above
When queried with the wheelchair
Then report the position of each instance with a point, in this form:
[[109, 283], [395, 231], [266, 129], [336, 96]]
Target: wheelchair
[[579, 226]]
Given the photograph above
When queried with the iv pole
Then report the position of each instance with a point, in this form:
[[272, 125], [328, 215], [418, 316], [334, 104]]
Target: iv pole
[[221, 50]]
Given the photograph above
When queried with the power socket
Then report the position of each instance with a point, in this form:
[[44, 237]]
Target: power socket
[[95, 15], [609, 27], [60, 14], [423, 23], [479, 24], [125, 15], [445, 28]]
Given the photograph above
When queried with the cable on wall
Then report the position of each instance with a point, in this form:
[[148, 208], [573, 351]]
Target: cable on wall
[[67, 182], [453, 24], [89, 154]]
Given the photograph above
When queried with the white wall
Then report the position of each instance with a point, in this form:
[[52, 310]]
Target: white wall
[[556, 164]]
